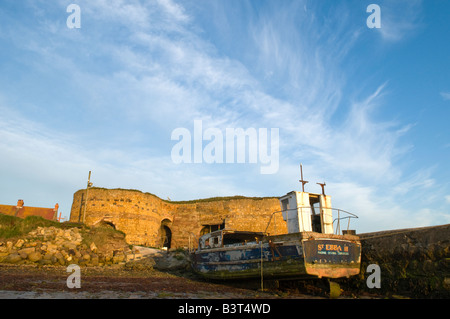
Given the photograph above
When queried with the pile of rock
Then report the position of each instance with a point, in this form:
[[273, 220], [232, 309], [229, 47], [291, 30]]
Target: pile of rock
[[56, 246], [152, 258]]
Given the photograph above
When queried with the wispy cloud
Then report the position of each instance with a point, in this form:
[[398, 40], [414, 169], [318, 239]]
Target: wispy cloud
[[399, 19], [445, 96], [144, 68]]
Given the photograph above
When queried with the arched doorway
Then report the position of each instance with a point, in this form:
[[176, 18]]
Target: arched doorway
[[166, 233], [166, 237], [107, 225]]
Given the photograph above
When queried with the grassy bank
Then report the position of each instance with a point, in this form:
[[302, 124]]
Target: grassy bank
[[12, 227]]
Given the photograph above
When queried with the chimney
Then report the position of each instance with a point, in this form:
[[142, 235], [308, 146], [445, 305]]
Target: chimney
[[20, 203], [56, 207]]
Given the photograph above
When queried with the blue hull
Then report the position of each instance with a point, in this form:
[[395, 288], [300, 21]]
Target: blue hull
[[246, 262], [287, 256]]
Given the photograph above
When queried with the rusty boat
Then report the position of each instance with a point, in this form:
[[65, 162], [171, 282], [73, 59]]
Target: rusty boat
[[313, 247]]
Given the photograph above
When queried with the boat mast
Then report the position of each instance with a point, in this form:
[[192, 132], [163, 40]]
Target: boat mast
[[302, 181]]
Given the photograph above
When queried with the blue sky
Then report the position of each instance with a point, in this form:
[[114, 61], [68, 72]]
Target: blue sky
[[365, 110]]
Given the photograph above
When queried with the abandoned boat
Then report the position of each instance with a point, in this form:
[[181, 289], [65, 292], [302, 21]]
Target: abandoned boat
[[313, 246]]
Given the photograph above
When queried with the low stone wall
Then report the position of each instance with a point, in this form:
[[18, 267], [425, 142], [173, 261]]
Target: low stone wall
[[55, 246], [413, 262]]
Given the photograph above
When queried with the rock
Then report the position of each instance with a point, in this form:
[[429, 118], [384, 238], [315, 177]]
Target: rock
[[13, 258], [172, 261], [26, 251], [45, 262], [19, 243], [51, 247], [143, 264], [72, 252], [86, 257], [108, 257], [48, 256], [118, 258], [94, 260], [59, 257], [34, 256], [67, 234], [446, 283], [77, 239], [133, 256], [93, 247], [23, 256], [70, 245]]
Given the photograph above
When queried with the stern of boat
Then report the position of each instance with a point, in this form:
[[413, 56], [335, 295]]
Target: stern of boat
[[332, 258]]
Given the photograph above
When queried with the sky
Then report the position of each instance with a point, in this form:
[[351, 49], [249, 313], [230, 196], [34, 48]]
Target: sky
[[145, 93]]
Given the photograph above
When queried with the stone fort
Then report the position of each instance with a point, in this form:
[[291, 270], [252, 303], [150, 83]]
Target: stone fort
[[151, 221]]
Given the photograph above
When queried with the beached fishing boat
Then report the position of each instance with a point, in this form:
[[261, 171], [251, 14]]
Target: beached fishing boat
[[313, 246]]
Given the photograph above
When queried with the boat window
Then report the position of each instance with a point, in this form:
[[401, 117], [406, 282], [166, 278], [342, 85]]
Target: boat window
[[314, 201], [238, 238], [210, 228], [207, 242], [216, 241], [285, 204]]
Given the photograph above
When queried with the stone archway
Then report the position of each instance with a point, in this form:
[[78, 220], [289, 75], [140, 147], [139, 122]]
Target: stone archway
[[167, 237], [105, 222], [165, 232]]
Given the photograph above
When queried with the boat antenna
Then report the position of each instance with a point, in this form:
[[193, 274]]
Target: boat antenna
[[323, 187], [302, 181]]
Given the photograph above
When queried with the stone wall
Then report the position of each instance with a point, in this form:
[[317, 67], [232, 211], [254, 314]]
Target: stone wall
[[413, 262], [146, 218]]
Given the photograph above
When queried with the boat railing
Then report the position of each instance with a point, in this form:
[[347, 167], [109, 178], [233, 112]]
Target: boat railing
[[272, 216], [337, 220], [347, 215]]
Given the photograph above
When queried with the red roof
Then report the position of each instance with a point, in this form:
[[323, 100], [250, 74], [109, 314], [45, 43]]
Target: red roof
[[47, 213]]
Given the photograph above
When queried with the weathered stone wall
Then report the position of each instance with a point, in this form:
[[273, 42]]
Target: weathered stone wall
[[141, 216], [413, 262]]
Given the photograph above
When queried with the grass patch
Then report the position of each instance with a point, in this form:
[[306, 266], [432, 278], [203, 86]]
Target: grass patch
[[14, 227], [11, 227], [193, 201]]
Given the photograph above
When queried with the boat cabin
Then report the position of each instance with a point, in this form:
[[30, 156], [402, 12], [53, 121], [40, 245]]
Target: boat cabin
[[306, 212], [229, 238]]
